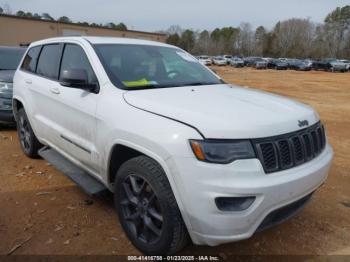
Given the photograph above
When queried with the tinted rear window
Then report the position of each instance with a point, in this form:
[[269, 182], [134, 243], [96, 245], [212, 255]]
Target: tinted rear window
[[49, 61], [30, 61]]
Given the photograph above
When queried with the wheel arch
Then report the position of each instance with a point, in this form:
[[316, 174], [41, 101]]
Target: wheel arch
[[134, 151], [16, 105]]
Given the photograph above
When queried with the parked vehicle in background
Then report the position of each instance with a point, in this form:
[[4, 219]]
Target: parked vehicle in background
[[10, 58], [299, 65], [250, 61], [256, 62], [204, 60], [321, 65], [219, 60], [309, 63], [332, 65], [237, 62], [260, 63], [227, 58], [277, 64], [184, 153], [337, 66], [347, 63]]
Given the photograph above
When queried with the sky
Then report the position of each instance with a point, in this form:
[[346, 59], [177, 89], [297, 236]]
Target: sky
[[154, 15]]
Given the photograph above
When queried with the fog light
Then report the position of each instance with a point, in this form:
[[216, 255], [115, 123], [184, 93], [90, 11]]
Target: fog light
[[234, 203]]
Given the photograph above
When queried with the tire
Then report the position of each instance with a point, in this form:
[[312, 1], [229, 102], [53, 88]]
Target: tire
[[148, 211], [29, 143]]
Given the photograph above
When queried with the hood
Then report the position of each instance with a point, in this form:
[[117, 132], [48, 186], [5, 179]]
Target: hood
[[7, 75], [225, 111]]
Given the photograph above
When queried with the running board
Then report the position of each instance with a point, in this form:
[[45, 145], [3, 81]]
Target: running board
[[79, 176]]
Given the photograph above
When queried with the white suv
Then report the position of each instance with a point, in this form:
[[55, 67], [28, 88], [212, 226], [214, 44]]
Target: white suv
[[185, 154]]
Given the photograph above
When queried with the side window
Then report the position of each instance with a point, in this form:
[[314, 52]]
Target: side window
[[49, 61], [30, 61], [74, 57]]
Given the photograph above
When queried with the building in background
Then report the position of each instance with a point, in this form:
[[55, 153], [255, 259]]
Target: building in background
[[15, 31]]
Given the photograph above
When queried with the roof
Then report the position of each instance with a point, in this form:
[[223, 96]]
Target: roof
[[77, 24], [101, 40]]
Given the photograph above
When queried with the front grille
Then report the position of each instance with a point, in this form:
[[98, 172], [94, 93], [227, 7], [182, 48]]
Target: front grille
[[290, 150]]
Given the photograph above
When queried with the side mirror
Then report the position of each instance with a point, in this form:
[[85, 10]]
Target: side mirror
[[77, 78]]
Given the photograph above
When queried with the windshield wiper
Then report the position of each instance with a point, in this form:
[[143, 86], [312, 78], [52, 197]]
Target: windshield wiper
[[198, 84], [169, 85], [148, 87]]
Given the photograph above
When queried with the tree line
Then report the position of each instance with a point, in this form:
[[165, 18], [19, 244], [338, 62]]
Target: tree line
[[64, 19], [294, 38]]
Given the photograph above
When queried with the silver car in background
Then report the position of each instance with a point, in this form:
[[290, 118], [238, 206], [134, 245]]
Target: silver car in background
[[237, 62]]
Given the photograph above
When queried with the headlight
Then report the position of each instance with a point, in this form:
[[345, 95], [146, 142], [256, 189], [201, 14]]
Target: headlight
[[221, 151], [6, 90]]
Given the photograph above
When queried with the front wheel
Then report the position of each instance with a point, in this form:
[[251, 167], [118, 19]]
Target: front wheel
[[29, 143], [147, 208]]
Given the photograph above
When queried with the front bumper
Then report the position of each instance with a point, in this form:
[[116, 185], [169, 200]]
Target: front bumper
[[339, 68], [238, 64], [200, 183], [281, 67], [261, 66]]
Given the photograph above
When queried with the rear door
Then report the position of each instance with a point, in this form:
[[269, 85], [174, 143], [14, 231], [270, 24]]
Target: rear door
[[41, 81]]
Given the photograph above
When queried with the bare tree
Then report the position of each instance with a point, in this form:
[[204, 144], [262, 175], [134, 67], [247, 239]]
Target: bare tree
[[293, 37], [7, 9], [246, 40]]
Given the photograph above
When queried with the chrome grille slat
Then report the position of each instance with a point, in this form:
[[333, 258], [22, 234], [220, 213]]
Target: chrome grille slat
[[290, 150]]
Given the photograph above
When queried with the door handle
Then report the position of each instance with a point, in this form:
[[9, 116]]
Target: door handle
[[55, 90], [28, 81]]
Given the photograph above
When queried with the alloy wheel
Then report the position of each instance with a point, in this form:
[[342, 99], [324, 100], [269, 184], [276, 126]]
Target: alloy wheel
[[24, 133], [141, 209]]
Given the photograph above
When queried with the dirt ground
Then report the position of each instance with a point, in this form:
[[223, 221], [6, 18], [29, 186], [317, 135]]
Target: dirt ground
[[43, 212]]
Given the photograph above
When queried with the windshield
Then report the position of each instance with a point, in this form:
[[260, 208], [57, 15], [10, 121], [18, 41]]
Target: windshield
[[144, 67], [10, 58]]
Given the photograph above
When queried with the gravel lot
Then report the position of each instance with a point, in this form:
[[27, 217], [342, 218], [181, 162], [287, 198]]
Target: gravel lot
[[43, 212]]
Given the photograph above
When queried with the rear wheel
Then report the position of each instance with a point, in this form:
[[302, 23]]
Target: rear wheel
[[147, 208], [29, 143]]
